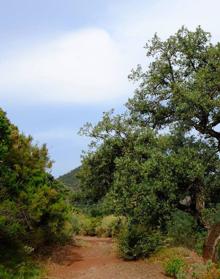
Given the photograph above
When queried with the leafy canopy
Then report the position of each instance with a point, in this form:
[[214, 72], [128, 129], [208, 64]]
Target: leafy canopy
[[149, 159], [161, 156], [181, 85]]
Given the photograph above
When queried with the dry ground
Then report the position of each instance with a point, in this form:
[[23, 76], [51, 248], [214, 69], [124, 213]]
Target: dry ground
[[95, 258]]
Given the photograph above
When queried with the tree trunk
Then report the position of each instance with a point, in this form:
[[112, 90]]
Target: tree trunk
[[200, 201], [211, 243]]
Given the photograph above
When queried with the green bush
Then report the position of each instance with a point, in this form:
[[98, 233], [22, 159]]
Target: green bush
[[180, 268], [175, 268], [200, 240], [51, 215], [75, 224], [87, 224], [34, 207], [22, 271], [181, 229], [110, 226], [16, 262], [136, 241]]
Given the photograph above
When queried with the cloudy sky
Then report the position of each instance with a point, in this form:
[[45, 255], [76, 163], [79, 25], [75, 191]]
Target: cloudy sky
[[64, 62]]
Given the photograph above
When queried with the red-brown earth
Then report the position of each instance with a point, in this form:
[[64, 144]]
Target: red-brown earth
[[96, 258]]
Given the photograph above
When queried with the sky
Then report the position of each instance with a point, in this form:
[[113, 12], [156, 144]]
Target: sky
[[64, 62]]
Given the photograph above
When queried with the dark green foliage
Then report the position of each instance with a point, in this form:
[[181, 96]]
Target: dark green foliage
[[4, 135], [211, 215], [34, 209], [181, 229], [98, 165], [200, 236], [161, 155], [16, 262], [96, 173], [23, 271], [181, 85], [136, 241], [154, 173]]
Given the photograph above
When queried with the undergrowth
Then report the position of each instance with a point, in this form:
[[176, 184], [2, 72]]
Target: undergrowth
[[17, 262]]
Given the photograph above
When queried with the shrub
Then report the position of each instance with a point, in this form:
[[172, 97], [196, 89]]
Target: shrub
[[34, 208], [136, 241], [175, 268], [75, 224], [22, 271], [87, 224], [110, 226], [205, 271], [16, 262], [181, 228], [50, 207], [168, 253], [200, 240], [33, 205]]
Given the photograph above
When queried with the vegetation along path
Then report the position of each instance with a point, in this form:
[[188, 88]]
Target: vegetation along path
[[95, 258]]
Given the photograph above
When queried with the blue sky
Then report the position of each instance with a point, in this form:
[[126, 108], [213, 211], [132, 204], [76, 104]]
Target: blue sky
[[64, 62]]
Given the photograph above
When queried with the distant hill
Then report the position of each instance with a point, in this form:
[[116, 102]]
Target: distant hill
[[70, 179]]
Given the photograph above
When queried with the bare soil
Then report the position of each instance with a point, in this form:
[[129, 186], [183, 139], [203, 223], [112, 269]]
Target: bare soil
[[96, 258]]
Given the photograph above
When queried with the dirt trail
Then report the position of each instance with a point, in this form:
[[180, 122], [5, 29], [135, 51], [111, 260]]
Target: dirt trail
[[95, 258]]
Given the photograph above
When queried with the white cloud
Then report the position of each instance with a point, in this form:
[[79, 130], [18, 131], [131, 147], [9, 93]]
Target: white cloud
[[164, 17], [78, 67], [92, 65]]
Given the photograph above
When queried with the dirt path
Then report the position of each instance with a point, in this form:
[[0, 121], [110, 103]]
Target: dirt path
[[95, 258]]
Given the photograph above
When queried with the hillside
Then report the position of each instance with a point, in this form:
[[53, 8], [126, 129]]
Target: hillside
[[70, 179]]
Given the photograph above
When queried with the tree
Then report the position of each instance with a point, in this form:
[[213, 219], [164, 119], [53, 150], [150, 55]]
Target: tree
[[181, 87], [98, 164], [162, 153], [156, 174], [33, 205]]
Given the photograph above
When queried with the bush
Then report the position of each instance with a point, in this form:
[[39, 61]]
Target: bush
[[205, 271], [52, 215], [16, 262], [75, 224], [200, 240], [22, 271], [34, 209], [136, 241], [181, 229], [110, 226], [33, 205], [87, 225], [175, 268]]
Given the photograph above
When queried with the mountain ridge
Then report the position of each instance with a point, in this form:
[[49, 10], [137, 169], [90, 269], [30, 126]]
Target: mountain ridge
[[70, 179]]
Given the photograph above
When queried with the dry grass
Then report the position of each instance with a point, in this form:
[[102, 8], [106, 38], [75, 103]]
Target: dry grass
[[168, 253]]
